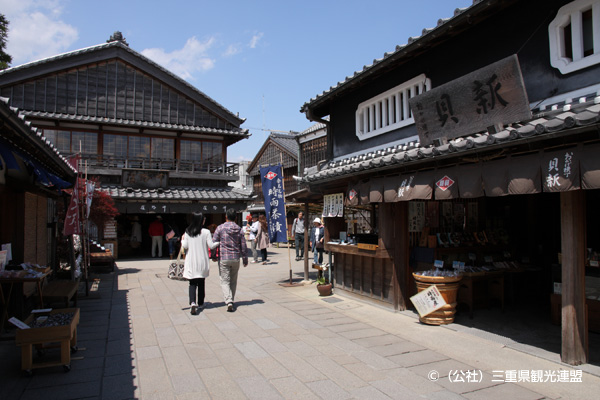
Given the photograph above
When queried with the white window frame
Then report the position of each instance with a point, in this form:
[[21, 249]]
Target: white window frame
[[571, 14], [389, 110]]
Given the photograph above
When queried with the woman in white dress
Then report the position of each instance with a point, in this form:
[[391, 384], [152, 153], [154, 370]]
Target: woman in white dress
[[196, 242]]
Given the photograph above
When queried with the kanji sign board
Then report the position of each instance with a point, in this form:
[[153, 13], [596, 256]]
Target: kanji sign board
[[492, 95]]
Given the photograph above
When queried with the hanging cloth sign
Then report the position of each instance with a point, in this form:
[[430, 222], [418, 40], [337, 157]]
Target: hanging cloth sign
[[272, 186], [72, 218]]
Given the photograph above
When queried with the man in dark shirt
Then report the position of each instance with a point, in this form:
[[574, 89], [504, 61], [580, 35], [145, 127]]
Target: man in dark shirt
[[233, 246]]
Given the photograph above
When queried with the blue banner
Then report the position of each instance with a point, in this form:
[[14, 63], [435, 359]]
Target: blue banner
[[271, 178]]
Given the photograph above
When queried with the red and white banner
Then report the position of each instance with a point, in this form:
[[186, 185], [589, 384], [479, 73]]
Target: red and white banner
[[72, 217]]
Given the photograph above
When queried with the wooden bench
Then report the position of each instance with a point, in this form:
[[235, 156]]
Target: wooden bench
[[61, 291]]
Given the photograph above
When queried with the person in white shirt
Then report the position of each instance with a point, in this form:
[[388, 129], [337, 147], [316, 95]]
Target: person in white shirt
[[252, 237], [196, 242], [317, 238]]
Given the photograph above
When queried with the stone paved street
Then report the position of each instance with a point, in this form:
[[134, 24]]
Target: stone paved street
[[138, 340]]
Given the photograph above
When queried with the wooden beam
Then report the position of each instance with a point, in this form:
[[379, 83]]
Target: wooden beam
[[574, 325], [307, 227]]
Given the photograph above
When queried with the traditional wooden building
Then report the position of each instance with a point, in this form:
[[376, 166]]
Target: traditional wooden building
[[475, 143], [32, 175], [279, 148], [156, 143]]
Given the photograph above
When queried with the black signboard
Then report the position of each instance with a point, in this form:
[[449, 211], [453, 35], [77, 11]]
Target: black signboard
[[144, 178], [492, 95]]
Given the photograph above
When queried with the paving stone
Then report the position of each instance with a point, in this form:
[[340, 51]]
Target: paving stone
[[377, 340], [443, 368], [219, 384], [258, 388], [121, 346], [271, 345], [118, 387], [412, 381], [301, 369], [368, 392], [148, 352], [327, 389], [374, 360], [341, 320], [348, 327], [417, 358], [270, 368], [337, 373], [188, 382], [118, 365], [251, 350], [503, 391], [292, 388], [394, 389], [64, 392], [396, 348], [153, 376], [362, 333], [444, 395], [265, 323]]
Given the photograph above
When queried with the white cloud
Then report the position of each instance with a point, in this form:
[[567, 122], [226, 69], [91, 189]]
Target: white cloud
[[193, 57], [232, 50], [255, 39], [36, 30]]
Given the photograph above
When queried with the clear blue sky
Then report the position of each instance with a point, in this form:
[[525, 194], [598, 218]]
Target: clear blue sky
[[261, 59]]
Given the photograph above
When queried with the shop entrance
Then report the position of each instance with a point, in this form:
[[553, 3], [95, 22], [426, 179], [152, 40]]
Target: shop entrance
[[128, 245], [510, 247]]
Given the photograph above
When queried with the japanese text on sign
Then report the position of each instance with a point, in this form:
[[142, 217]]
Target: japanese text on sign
[[495, 95]]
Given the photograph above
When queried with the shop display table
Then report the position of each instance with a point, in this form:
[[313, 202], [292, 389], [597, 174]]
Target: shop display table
[[19, 278], [480, 288], [63, 331]]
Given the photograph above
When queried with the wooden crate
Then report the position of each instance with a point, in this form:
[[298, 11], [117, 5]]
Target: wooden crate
[[66, 335]]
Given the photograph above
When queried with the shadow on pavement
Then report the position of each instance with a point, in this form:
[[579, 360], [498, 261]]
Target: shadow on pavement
[[102, 367]]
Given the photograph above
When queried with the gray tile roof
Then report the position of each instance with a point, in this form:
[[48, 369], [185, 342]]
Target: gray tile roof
[[175, 194], [118, 44], [403, 50], [288, 142], [37, 135], [581, 113], [136, 123], [314, 128]]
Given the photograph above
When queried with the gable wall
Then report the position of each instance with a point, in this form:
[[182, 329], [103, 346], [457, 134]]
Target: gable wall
[[110, 89]]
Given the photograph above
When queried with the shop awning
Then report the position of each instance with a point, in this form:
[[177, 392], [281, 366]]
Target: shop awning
[[557, 170]]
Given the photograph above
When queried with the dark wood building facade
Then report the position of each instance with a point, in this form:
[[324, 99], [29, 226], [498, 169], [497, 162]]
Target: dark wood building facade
[[156, 143], [512, 192]]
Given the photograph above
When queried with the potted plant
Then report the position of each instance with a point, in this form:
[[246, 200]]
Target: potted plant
[[323, 285]]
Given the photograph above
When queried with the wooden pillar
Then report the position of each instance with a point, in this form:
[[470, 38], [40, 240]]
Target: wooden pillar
[[393, 233], [307, 227], [574, 325]]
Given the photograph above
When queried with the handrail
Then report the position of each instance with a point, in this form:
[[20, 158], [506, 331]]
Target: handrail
[[183, 166]]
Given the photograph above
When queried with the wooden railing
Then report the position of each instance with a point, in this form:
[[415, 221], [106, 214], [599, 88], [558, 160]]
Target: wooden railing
[[192, 167]]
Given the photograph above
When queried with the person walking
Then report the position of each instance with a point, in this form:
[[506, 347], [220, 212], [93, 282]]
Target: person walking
[[156, 232], [196, 241], [298, 232], [172, 237], [253, 229], [262, 238], [233, 247], [317, 237]]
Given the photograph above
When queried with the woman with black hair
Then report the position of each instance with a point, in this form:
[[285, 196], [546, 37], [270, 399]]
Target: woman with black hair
[[262, 238], [196, 241]]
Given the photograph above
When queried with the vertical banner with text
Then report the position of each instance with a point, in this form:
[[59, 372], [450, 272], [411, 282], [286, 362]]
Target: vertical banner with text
[[272, 186], [72, 218]]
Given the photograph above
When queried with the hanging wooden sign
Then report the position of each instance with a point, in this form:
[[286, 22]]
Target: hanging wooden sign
[[490, 96]]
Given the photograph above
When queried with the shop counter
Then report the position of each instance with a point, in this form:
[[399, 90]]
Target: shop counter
[[358, 250]]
